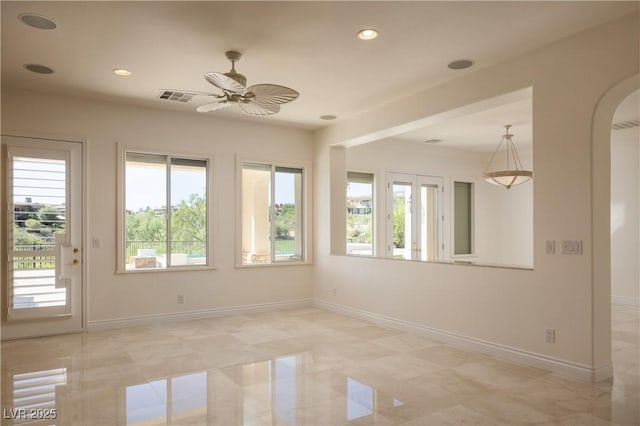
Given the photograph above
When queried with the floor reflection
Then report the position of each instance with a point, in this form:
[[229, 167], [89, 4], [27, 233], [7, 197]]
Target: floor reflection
[[303, 367], [34, 394], [359, 399], [183, 399], [264, 392]]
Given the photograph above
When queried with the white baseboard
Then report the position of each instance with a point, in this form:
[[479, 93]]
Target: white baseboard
[[144, 320], [568, 369], [633, 302], [565, 368]]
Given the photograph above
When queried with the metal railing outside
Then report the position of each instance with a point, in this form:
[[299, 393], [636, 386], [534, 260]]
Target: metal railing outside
[[190, 248]]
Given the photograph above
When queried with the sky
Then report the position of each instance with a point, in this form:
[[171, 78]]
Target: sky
[[355, 189], [146, 186], [41, 180]]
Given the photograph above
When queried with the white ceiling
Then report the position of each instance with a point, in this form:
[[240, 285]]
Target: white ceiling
[[480, 130], [309, 46]]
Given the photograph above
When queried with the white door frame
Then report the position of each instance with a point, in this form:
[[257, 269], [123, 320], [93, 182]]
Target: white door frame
[[416, 182], [32, 328]]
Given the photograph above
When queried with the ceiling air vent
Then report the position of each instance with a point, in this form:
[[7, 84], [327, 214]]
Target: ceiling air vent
[[172, 95], [625, 124]]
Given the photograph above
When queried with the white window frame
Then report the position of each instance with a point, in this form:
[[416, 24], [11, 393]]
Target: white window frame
[[307, 209], [120, 225], [374, 210], [452, 214]]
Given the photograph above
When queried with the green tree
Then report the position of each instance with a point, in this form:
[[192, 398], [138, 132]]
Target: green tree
[[49, 216], [145, 226], [398, 221], [189, 221], [22, 237], [368, 236], [32, 224], [285, 220]]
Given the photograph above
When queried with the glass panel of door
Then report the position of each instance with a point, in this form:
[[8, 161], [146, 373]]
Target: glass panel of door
[[38, 197], [415, 217]]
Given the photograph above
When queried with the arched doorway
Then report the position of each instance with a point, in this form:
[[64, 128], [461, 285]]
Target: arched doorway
[[601, 219]]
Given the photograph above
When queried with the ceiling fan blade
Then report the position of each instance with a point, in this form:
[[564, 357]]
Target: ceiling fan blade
[[188, 92], [224, 83], [213, 106], [258, 108], [272, 93]]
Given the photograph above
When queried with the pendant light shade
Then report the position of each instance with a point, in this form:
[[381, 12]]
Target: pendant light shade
[[512, 173]]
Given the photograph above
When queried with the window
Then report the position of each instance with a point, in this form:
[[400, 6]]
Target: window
[[272, 214], [463, 214], [360, 214], [165, 211]]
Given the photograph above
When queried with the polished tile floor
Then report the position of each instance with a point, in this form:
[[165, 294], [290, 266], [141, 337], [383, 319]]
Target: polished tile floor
[[303, 367]]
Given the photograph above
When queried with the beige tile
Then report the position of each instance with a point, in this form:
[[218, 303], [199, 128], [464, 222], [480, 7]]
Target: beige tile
[[443, 355], [457, 415], [308, 366], [405, 342], [508, 409]]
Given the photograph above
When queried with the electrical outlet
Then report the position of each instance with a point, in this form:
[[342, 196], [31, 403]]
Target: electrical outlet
[[550, 335], [180, 299]]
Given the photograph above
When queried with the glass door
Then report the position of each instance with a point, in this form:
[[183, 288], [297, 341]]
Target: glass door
[[430, 245], [44, 233], [414, 217]]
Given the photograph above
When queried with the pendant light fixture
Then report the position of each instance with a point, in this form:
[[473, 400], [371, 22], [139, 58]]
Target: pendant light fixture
[[513, 173]]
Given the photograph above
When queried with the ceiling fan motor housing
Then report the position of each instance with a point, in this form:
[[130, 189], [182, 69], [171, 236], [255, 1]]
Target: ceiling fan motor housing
[[234, 56], [259, 99]]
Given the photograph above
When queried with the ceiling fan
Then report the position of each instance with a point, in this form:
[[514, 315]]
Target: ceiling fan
[[259, 99]]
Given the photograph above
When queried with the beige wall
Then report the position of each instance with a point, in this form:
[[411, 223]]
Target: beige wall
[[114, 297], [508, 308]]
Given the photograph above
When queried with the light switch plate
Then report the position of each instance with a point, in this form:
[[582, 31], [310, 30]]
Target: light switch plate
[[550, 246], [572, 247]]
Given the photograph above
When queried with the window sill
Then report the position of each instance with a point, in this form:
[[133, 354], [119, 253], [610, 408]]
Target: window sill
[[173, 269], [272, 265]]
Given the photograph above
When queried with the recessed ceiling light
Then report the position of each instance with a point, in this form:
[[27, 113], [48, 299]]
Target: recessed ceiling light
[[328, 117], [121, 71], [367, 34], [460, 64], [40, 69], [37, 21]]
